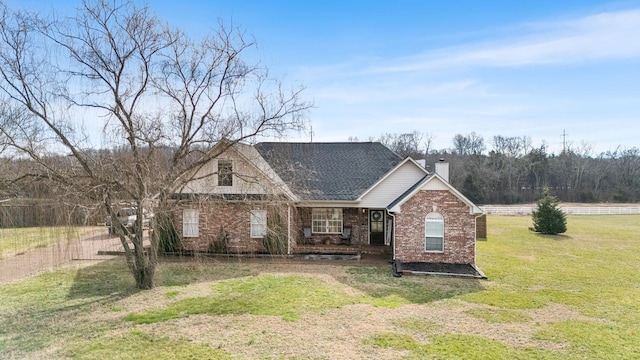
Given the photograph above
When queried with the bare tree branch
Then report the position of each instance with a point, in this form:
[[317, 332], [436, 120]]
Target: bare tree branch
[[163, 99]]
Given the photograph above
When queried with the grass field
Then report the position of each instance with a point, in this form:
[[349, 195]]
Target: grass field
[[15, 241], [573, 296]]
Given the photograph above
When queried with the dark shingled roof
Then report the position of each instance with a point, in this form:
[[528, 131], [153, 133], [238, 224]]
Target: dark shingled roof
[[329, 171]]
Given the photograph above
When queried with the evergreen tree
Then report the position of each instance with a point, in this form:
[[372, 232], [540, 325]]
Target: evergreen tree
[[548, 218]]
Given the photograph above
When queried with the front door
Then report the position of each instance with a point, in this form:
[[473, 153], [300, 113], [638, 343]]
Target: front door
[[376, 227]]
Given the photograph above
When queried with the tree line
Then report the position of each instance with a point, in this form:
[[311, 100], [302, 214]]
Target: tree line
[[511, 170]]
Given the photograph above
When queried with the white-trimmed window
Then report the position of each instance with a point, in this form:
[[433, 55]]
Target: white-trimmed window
[[190, 222], [258, 223], [225, 172], [434, 232], [326, 220]]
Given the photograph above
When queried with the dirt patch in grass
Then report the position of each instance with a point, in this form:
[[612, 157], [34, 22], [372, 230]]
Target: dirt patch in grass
[[337, 332], [343, 333]]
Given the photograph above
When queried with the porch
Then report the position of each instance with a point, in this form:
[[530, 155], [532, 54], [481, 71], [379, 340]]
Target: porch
[[361, 229], [336, 249]]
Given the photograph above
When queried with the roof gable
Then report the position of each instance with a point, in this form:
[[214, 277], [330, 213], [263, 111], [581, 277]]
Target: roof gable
[[329, 171], [252, 175], [431, 182], [404, 175]]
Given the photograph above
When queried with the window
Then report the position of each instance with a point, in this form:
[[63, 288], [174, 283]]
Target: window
[[326, 220], [434, 232], [190, 222], [225, 173], [258, 223]]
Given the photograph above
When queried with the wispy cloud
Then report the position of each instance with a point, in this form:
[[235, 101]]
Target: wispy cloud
[[613, 35], [455, 89]]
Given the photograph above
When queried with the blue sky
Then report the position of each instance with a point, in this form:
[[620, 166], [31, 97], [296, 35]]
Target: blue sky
[[521, 68]]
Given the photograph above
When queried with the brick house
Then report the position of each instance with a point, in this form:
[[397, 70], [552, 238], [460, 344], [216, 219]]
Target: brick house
[[323, 198]]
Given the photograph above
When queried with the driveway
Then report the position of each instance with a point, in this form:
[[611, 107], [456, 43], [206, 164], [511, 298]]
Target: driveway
[[82, 252]]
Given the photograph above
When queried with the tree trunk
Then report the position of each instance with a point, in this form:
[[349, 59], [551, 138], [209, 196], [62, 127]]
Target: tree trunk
[[142, 265], [144, 276]]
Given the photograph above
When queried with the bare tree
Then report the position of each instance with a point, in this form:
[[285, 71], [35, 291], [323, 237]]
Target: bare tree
[[512, 146], [470, 144], [414, 144], [159, 96]]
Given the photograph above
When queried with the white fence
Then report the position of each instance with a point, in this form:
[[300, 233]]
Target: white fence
[[574, 210]]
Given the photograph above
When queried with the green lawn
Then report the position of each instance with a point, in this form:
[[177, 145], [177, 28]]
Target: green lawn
[[573, 296], [15, 241]]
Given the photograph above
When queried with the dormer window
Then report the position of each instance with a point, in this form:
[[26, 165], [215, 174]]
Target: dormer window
[[225, 173]]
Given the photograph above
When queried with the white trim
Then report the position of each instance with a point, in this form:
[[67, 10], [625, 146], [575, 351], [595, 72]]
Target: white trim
[[327, 220], [439, 220], [368, 226], [261, 216], [328, 203], [191, 229], [395, 168]]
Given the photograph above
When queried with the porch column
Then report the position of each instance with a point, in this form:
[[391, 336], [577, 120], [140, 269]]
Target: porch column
[[288, 229]]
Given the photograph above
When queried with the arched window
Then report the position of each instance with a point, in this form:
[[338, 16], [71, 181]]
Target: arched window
[[434, 232]]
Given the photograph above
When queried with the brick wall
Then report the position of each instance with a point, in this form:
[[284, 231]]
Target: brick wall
[[359, 225], [459, 229], [232, 218]]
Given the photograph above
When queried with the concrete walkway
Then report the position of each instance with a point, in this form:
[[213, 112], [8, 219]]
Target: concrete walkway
[[66, 253]]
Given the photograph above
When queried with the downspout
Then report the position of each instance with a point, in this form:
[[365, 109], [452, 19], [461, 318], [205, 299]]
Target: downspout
[[393, 235], [396, 266], [289, 229]]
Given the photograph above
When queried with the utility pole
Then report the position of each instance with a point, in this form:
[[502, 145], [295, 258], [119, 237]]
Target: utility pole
[[311, 131], [564, 141]]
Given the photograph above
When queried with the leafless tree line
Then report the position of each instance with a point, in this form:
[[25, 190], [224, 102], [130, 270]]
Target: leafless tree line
[[512, 170]]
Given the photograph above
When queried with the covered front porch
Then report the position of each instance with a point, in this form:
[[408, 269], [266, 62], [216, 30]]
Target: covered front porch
[[345, 231], [341, 230]]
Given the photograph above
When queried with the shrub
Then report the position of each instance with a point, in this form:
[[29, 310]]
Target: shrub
[[275, 241], [168, 238], [220, 244], [548, 218]]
